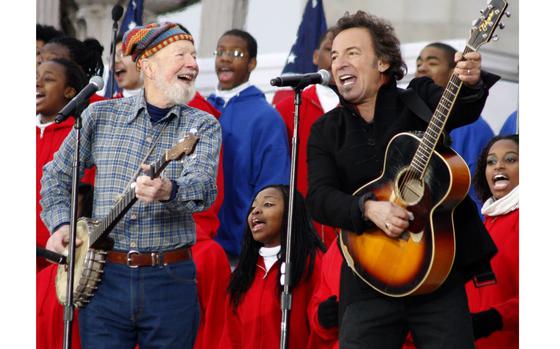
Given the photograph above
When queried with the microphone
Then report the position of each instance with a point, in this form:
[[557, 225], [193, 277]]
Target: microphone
[[51, 256], [117, 12], [301, 80], [95, 84]]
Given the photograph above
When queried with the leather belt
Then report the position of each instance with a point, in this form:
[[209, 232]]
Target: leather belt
[[135, 259]]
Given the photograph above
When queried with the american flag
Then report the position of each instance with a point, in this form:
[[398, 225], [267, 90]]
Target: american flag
[[132, 18], [313, 25], [300, 60]]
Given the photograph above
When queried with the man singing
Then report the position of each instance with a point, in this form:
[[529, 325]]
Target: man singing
[[144, 300]]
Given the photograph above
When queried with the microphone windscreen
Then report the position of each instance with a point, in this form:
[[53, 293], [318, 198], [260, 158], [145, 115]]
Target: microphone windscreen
[[325, 76], [97, 81], [117, 12]]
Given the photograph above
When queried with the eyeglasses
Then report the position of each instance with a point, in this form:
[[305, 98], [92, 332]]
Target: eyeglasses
[[233, 54]]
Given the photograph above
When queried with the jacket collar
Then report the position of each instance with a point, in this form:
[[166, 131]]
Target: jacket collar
[[139, 103]]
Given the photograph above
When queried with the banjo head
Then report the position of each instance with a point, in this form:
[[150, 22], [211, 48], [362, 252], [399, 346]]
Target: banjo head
[[82, 233]]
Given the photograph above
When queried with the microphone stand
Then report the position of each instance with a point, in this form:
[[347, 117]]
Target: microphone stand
[[286, 298], [69, 306], [111, 79]]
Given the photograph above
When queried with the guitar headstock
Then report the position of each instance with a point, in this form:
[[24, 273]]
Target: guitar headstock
[[484, 26], [185, 147]]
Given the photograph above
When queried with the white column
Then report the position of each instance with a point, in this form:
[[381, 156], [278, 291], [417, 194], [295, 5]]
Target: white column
[[48, 12], [217, 17]]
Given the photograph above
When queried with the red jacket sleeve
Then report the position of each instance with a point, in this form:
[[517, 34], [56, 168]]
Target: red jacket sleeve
[[286, 110], [212, 276], [329, 285]]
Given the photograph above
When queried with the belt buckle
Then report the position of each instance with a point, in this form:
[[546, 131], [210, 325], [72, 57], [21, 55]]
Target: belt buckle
[[156, 259], [129, 258]]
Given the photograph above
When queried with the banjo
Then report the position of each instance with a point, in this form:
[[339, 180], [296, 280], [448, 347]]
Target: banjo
[[90, 256]]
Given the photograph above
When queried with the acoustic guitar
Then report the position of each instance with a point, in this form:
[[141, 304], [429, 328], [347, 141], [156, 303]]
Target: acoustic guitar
[[90, 256], [428, 179]]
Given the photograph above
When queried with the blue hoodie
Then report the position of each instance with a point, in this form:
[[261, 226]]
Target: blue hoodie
[[255, 154]]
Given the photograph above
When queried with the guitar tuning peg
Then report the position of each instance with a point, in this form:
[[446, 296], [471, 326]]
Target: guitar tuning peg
[[501, 25], [508, 14], [481, 11], [495, 37], [484, 36]]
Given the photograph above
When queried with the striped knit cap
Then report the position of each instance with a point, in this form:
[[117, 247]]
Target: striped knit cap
[[144, 41]]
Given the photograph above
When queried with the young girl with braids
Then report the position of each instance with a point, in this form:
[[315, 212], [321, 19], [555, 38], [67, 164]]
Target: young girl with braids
[[254, 313], [88, 54], [58, 81], [495, 308]]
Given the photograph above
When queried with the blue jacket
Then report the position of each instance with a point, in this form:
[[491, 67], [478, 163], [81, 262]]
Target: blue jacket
[[468, 141], [510, 125], [255, 154]]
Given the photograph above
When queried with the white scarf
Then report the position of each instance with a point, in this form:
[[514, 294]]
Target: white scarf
[[133, 92], [508, 203], [226, 95], [270, 256], [327, 97], [42, 126]]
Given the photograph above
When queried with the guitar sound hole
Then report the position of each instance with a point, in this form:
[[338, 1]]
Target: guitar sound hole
[[410, 188]]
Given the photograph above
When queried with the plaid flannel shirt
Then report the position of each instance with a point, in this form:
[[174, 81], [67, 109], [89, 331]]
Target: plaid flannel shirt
[[115, 137]]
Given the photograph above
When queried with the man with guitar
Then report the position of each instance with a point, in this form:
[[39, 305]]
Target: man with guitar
[[147, 292], [346, 151]]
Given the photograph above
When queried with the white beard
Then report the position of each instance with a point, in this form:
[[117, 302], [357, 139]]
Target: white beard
[[175, 92]]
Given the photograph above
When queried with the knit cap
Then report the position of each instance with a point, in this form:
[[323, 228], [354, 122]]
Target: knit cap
[[144, 41]]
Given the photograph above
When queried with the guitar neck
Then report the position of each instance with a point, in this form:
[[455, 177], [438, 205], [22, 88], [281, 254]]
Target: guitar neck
[[437, 124], [128, 199]]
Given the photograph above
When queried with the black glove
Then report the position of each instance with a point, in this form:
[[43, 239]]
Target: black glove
[[486, 322], [328, 312]]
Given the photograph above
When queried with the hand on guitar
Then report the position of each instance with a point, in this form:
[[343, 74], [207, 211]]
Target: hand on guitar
[[59, 240], [468, 67], [150, 190], [393, 220]]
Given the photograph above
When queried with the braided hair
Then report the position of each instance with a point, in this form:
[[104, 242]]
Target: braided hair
[[88, 54]]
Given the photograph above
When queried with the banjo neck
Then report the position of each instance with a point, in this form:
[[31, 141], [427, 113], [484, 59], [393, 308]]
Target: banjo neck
[[105, 225]]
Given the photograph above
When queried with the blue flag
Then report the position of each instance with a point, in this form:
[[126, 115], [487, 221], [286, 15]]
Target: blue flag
[[313, 25], [132, 18]]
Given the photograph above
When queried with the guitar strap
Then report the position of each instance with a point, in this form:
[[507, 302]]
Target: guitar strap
[[416, 104], [411, 99]]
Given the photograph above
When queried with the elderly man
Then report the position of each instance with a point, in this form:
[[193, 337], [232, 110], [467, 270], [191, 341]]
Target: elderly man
[[142, 299]]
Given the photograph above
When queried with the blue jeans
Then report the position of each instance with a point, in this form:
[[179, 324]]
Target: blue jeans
[[156, 307]]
